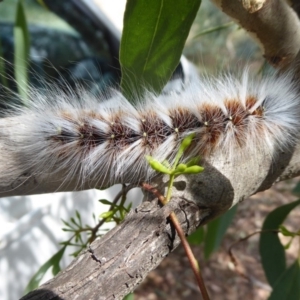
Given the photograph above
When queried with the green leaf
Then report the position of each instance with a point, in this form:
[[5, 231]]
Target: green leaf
[[197, 237], [38, 276], [107, 214], [296, 190], [106, 202], [271, 250], [287, 246], [183, 146], [21, 55], [156, 165], [180, 168], [67, 229], [287, 287], [186, 142], [285, 231], [153, 38], [66, 223], [74, 222], [193, 161], [216, 230], [193, 170], [78, 216], [129, 297], [3, 78]]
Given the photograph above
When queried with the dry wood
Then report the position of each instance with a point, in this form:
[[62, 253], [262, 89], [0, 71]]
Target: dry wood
[[115, 264]]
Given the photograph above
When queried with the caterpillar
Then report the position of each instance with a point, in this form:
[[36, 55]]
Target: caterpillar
[[107, 139]]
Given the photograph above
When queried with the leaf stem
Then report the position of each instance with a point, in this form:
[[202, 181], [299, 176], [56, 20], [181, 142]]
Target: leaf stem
[[193, 262], [189, 253], [169, 191]]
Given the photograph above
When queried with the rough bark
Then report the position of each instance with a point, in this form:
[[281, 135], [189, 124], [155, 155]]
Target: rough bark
[[118, 262], [273, 23], [115, 264]]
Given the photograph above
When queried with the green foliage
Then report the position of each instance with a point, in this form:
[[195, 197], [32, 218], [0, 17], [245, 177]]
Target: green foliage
[[216, 230], [272, 252], [53, 263], [288, 285], [296, 190], [21, 55], [153, 38], [177, 169], [116, 213], [82, 236], [3, 79], [197, 237], [129, 297], [212, 234]]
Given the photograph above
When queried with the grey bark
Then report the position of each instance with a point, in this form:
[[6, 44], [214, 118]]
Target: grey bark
[[272, 23], [115, 264]]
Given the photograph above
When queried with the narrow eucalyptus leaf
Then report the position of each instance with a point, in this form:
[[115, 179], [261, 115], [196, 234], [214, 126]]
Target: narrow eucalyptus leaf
[[272, 252], [38, 276], [104, 201], [287, 287], [216, 230], [197, 237]]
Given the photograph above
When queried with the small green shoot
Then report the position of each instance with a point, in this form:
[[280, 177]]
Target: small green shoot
[[116, 213], [177, 169], [191, 167]]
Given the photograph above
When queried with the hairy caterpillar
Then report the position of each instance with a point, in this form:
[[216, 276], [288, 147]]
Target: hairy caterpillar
[[233, 117]]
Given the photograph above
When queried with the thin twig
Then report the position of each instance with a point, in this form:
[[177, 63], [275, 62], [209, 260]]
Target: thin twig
[[193, 262], [232, 257], [124, 191], [148, 187]]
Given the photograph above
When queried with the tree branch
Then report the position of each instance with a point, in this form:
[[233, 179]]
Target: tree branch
[[274, 24], [115, 264]]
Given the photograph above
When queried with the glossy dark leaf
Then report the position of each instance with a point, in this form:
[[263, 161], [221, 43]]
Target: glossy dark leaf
[[287, 286], [216, 230], [153, 38], [271, 250], [296, 190], [197, 237], [3, 79]]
